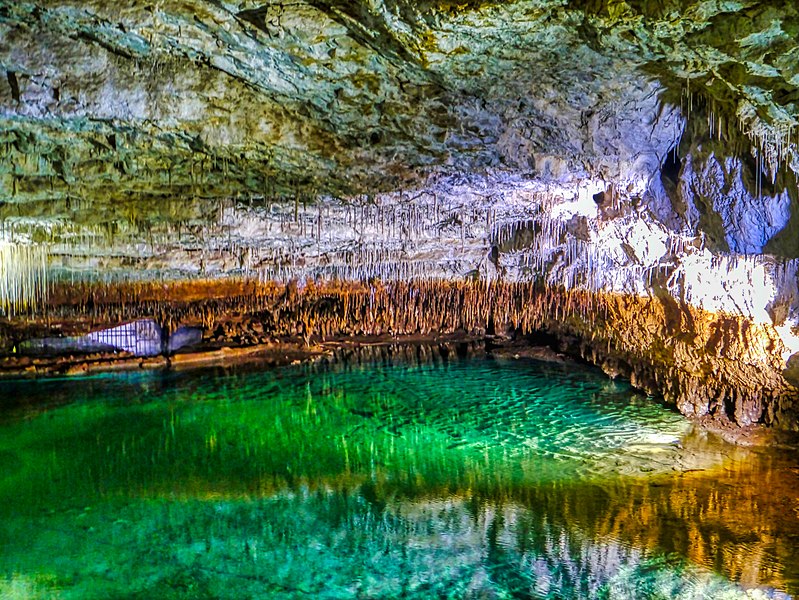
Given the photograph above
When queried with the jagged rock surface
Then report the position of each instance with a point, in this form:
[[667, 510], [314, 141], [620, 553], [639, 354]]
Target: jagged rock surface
[[218, 98]]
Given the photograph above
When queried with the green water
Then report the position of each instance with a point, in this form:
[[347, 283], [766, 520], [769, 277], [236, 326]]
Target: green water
[[474, 478]]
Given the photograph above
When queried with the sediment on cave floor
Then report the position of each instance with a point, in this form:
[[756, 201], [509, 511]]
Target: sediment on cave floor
[[707, 364]]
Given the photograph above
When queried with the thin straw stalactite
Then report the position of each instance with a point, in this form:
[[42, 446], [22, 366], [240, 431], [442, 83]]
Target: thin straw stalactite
[[23, 278]]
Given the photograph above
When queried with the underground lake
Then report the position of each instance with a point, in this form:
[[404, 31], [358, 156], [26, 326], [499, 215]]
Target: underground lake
[[408, 473]]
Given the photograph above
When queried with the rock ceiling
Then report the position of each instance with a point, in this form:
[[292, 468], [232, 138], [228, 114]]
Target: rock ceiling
[[210, 98]]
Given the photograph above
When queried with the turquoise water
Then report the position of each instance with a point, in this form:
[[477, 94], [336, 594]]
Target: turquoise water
[[472, 478]]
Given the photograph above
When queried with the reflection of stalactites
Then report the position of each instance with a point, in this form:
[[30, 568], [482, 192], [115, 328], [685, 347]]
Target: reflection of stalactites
[[23, 277]]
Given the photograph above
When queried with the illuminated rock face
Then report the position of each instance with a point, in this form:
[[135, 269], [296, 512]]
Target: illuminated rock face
[[631, 148]]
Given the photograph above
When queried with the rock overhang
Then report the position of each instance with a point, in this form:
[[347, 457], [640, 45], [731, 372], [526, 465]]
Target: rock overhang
[[338, 97]]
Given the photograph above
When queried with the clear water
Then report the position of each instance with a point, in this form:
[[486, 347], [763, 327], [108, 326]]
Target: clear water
[[475, 478]]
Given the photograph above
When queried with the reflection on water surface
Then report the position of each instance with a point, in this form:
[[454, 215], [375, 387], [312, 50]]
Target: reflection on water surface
[[471, 478]]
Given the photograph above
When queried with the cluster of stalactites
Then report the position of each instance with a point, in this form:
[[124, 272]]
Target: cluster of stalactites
[[774, 143], [329, 308], [544, 251], [23, 277]]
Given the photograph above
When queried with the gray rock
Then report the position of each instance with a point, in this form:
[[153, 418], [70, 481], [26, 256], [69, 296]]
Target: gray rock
[[184, 337]]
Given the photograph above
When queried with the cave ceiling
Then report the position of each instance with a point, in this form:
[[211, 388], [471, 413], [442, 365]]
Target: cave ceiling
[[130, 99]]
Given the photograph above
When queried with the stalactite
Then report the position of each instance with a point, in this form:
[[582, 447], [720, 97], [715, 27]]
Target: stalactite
[[23, 277]]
